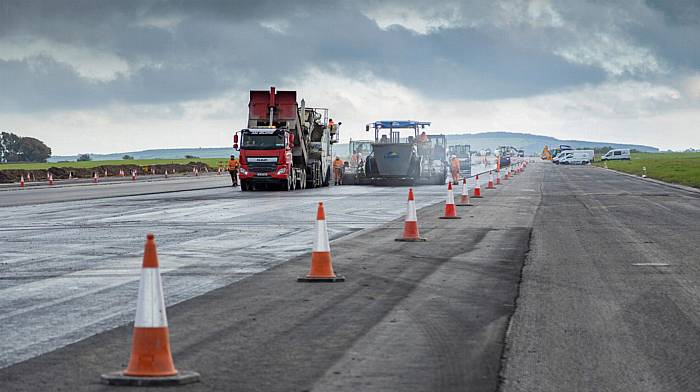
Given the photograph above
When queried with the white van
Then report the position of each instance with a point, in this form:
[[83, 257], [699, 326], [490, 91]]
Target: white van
[[576, 157], [618, 154]]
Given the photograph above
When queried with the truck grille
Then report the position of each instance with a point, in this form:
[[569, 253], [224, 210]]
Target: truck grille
[[262, 167]]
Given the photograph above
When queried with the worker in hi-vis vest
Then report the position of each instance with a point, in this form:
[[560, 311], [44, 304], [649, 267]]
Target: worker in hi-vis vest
[[454, 163], [232, 168], [338, 170]]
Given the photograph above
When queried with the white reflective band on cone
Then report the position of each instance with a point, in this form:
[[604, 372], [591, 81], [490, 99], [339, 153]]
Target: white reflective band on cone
[[321, 243], [150, 309], [450, 197], [411, 212]]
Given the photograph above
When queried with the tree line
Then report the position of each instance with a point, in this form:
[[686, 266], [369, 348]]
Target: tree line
[[14, 148]]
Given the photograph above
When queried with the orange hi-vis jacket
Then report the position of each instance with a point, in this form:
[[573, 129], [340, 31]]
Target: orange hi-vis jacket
[[233, 164], [338, 163]]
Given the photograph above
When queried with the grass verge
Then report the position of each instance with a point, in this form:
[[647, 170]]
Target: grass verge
[[213, 162], [675, 167]]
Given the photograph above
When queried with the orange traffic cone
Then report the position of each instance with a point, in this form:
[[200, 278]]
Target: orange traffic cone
[[477, 188], [490, 183], [498, 177], [21, 182], [321, 263], [95, 177], [410, 226], [50, 179], [166, 173], [151, 361], [450, 209], [464, 198], [133, 175]]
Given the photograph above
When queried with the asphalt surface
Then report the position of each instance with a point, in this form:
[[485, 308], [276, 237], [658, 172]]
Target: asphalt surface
[[562, 279], [71, 263], [409, 317], [80, 189], [609, 296]]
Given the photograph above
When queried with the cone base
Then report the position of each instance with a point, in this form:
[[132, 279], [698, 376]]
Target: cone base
[[477, 197], [181, 378], [321, 280], [490, 187], [464, 204], [450, 217], [410, 239]]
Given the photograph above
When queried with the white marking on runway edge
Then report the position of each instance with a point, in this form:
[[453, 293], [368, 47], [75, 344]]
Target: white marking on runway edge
[[651, 264]]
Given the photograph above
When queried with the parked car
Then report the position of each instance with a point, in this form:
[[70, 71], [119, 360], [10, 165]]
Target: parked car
[[616, 155]]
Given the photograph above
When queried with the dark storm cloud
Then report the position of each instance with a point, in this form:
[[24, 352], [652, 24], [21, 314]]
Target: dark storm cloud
[[183, 50]]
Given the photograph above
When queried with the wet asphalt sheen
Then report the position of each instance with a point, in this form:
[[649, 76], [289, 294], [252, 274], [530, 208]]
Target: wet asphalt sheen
[[562, 279]]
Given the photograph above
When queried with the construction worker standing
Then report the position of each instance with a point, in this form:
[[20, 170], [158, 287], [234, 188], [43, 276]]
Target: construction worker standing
[[454, 163], [232, 168], [338, 170]]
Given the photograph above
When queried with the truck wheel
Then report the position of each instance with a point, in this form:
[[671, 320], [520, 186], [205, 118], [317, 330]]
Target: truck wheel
[[302, 181], [327, 178], [244, 186]]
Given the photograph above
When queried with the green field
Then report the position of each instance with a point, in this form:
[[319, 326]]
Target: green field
[[213, 162], [675, 167]]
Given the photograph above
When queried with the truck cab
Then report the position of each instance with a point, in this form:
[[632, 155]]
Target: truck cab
[[266, 155]]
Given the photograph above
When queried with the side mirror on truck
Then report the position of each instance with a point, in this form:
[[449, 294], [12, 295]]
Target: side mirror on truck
[[235, 141]]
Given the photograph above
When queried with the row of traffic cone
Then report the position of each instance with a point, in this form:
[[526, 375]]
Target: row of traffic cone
[[95, 176], [151, 360], [411, 225]]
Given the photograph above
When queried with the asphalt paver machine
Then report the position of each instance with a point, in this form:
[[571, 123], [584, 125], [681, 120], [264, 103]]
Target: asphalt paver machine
[[417, 158]]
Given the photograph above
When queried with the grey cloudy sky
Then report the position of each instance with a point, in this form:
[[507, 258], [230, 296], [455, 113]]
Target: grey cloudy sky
[[106, 76]]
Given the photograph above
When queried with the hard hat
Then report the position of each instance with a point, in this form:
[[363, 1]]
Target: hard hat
[[233, 156]]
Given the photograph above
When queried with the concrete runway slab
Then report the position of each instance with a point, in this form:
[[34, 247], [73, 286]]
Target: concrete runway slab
[[75, 264], [432, 314]]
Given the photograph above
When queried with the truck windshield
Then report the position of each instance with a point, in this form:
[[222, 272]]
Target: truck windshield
[[262, 142]]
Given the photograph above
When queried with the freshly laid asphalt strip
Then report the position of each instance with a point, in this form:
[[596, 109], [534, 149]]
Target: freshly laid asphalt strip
[[411, 316], [609, 297]]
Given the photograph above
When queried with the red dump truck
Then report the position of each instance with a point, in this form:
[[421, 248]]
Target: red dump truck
[[286, 145]]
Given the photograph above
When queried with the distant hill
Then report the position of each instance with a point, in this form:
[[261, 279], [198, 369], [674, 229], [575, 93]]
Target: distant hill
[[532, 144]]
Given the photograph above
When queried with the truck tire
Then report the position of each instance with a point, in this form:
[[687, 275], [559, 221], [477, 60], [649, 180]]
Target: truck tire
[[302, 180], [244, 186], [327, 177]]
